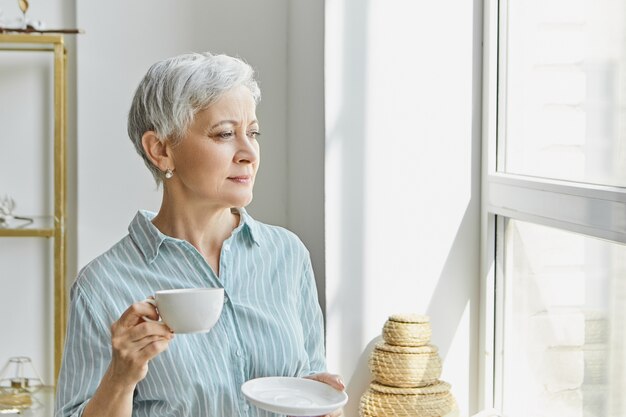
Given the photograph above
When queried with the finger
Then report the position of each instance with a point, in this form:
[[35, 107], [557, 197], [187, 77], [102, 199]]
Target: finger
[[125, 346], [142, 330], [145, 350], [123, 332], [333, 380], [135, 313], [152, 349]]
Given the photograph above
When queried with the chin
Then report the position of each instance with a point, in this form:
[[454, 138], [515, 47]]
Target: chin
[[242, 201]]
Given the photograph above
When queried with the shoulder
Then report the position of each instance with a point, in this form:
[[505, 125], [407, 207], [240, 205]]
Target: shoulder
[[102, 287], [102, 270], [279, 243], [278, 235]]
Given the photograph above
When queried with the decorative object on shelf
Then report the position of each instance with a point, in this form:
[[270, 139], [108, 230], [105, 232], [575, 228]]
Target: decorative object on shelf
[[406, 370], [28, 26], [17, 388], [7, 219], [24, 8]]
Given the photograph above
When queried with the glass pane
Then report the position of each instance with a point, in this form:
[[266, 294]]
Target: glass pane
[[565, 90], [564, 324]]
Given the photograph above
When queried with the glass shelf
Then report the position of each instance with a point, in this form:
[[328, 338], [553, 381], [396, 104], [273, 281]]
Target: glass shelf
[[42, 226]]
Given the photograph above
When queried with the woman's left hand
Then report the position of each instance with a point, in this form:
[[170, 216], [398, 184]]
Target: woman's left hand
[[334, 381]]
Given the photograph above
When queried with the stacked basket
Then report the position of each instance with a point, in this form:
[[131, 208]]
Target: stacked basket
[[406, 370]]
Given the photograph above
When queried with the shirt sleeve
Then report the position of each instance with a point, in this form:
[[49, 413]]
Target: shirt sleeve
[[312, 321], [86, 356]]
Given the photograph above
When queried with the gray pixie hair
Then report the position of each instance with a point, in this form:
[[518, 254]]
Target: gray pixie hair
[[174, 90]]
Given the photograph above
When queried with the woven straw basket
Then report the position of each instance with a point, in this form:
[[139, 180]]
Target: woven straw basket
[[407, 330], [383, 401], [404, 366]]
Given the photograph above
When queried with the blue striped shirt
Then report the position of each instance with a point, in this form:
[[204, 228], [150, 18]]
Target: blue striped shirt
[[271, 324]]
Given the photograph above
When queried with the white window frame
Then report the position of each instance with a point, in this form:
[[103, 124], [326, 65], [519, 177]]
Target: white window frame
[[597, 211]]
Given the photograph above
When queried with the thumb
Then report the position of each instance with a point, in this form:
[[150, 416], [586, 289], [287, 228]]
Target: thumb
[[333, 380]]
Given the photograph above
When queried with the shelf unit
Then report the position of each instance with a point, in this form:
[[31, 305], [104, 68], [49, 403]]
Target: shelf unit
[[51, 227]]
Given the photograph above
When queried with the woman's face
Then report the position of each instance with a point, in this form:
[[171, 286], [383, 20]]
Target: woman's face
[[217, 161]]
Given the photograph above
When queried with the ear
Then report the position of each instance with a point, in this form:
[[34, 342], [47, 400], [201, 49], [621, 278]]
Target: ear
[[157, 151]]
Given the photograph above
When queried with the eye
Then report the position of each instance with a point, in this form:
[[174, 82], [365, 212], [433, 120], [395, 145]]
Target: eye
[[226, 134], [254, 134]]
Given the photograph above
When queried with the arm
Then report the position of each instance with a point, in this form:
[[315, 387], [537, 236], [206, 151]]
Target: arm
[[134, 343], [312, 323], [311, 320], [100, 372]]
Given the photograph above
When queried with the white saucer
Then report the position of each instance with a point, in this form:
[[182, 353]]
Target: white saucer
[[293, 396]]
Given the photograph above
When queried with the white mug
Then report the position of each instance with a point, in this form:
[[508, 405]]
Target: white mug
[[189, 310]]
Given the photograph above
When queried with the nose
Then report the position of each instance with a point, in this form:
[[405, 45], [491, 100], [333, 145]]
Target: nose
[[247, 150]]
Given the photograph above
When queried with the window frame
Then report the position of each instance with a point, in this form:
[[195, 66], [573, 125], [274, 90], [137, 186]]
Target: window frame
[[565, 205]]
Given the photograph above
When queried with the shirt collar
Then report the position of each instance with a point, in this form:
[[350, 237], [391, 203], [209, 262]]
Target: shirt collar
[[247, 222], [149, 239]]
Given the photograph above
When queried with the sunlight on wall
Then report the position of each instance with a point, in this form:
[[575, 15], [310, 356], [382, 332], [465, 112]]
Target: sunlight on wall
[[401, 180]]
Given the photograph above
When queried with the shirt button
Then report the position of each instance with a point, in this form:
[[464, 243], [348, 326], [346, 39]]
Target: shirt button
[[239, 352], [225, 299]]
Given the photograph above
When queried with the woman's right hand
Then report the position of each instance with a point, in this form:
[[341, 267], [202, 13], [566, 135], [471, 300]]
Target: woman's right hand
[[135, 342]]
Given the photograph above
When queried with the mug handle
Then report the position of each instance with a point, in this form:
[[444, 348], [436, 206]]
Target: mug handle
[[148, 319]]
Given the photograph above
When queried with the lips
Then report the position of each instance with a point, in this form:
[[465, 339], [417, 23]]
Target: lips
[[241, 179]]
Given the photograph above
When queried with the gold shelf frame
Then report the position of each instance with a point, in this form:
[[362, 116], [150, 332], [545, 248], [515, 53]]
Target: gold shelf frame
[[56, 45]]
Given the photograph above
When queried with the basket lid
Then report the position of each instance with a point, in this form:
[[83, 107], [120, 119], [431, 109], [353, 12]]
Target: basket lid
[[409, 318], [426, 349], [440, 387]]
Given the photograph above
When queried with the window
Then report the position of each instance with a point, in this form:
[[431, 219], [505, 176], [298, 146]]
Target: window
[[554, 208], [563, 306]]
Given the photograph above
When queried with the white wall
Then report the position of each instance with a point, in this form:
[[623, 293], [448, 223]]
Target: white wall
[[26, 133], [305, 130], [402, 180], [122, 40], [282, 40]]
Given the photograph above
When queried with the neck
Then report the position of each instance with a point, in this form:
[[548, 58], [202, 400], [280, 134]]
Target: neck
[[203, 226]]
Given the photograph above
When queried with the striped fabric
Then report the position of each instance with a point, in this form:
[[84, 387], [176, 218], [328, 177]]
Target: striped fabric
[[271, 324]]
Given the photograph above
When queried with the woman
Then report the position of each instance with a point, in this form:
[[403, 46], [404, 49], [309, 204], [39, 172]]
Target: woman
[[193, 121]]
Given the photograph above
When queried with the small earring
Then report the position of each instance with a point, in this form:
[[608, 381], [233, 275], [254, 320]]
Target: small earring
[[169, 173]]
